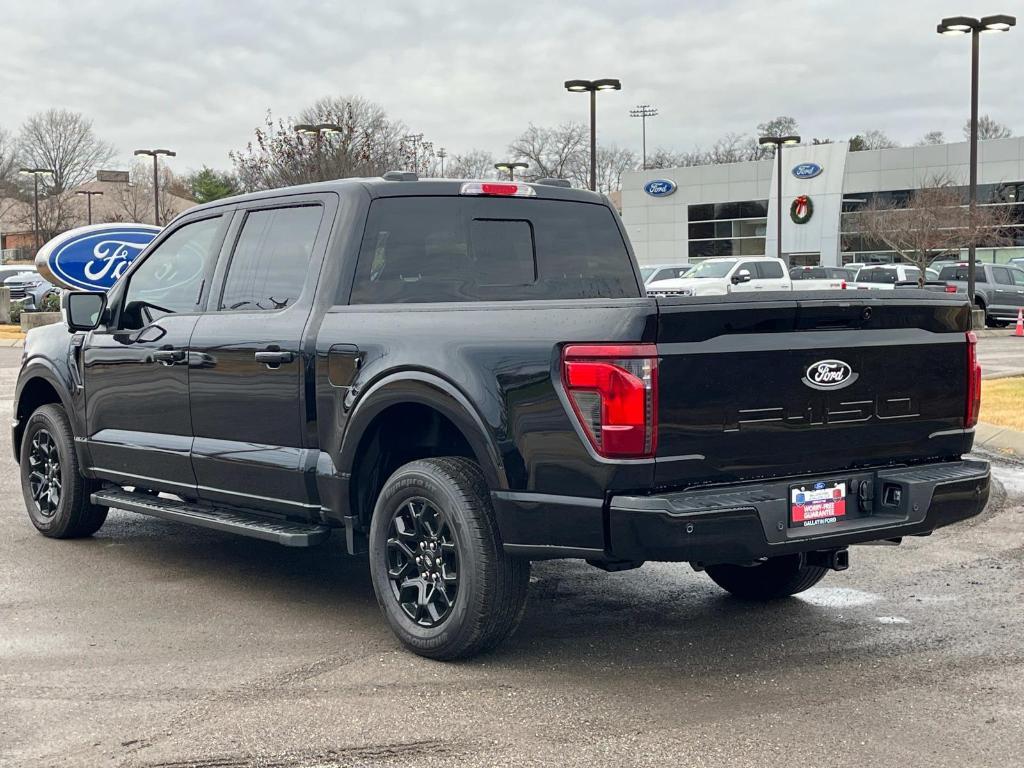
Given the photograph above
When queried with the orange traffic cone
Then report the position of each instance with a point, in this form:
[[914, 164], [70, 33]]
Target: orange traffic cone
[[1020, 323]]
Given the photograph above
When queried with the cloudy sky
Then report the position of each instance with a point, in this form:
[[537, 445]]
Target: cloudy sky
[[197, 75]]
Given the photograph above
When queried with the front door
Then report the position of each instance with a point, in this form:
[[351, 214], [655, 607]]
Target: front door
[[135, 371], [247, 374]]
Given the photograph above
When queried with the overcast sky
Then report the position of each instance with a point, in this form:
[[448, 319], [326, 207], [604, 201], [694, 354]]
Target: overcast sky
[[197, 76]]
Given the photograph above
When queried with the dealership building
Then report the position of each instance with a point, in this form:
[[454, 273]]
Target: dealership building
[[678, 215]]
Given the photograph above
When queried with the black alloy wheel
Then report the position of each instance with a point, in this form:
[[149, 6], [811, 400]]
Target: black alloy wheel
[[45, 477], [423, 562]]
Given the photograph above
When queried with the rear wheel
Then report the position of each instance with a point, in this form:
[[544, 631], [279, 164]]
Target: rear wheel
[[774, 578], [442, 579], [56, 494]]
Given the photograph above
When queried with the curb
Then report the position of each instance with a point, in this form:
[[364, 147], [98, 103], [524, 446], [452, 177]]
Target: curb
[[12, 342], [999, 439]]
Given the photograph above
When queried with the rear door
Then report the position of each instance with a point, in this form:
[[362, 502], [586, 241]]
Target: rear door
[[737, 396], [248, 361], [772, 276], [1017, 275]]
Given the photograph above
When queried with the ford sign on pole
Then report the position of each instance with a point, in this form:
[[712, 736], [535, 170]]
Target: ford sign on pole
[[660, 188], [92, 258], [807, 170]]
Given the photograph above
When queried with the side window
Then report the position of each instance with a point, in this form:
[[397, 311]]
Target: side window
[[170, 280], [269, 264], [1018, 277], [769, 270], [1001, 275]]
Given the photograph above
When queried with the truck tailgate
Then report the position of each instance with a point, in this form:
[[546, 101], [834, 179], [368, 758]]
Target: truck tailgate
[[735, 401]]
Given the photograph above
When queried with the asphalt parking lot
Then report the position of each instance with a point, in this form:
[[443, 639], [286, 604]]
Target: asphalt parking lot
[[153, 644]]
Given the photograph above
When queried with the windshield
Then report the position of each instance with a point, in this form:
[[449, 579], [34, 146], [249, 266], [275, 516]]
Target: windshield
[[712, 268], [646, 272]]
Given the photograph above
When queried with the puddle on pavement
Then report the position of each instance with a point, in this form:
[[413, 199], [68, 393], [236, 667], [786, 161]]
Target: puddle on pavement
[[838, 597]]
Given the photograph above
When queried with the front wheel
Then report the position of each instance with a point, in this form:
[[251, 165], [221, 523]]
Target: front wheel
[[56, 494], [442, 579], [769, 580]]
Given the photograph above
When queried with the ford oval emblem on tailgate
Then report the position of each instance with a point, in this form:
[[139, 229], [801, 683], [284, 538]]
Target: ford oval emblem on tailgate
[[829, 374]]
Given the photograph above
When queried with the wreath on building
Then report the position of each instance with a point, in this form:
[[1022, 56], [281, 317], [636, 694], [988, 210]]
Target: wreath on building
[[801, 209]]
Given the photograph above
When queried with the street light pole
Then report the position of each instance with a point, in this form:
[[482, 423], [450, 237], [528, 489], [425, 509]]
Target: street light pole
[[317, 131], [592, 87], [35, 173], [88, 199], [510, 168], [959, 25], [155, 154], [778, 142], [643, 111]]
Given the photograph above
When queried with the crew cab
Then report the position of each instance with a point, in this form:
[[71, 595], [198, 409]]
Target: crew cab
[[460, 377], [721, 276], [998, 289]]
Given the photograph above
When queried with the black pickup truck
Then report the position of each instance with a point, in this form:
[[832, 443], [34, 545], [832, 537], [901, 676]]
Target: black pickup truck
[[462, 377]]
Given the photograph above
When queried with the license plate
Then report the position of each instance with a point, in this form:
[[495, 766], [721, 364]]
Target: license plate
[[821, 503]]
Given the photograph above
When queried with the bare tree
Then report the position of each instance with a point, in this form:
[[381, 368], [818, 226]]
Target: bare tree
[[8, 173], [667, 158], [64, 142], [368, 144], [933, 222], [932, 137], [475, 164], [873, 139], [553, 152], [612, 162], [988, 129], [134, 201]]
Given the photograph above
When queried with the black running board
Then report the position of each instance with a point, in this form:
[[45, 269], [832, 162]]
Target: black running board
[[284, 532]]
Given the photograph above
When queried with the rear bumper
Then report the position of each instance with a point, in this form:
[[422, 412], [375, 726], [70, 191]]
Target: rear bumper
[[748, 522], [743, 522]]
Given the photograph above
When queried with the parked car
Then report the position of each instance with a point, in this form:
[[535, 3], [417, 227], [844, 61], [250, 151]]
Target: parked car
[[820, 278], [998, 289], [885, 277], [461, 377], [7, 270], [1017, 261], [717, 277], [653, 272], [29, 289]]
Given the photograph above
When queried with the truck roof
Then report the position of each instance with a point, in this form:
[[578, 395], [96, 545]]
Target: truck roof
[[378, 186]]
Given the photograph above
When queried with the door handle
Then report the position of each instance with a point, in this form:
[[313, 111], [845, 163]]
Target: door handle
[[168, 355], [272, 358]]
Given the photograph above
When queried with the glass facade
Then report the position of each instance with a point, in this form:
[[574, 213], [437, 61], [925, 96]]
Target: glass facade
[[856, 247], [727, 229]]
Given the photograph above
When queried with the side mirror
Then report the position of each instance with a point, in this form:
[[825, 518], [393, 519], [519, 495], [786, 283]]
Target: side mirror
[[743, 276], [84, 309]]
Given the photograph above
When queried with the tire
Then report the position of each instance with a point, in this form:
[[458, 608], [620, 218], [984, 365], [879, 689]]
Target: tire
[[475, 597], [56, 494], [775, 578]]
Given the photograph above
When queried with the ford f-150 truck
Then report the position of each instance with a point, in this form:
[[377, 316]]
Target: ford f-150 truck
[[461, 377]]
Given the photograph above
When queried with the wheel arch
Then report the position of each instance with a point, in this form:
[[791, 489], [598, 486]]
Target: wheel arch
[[38, 385]]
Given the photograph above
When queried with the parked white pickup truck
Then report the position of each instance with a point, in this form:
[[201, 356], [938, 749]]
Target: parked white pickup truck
[[719, 276], [821, 278], [886, 277]]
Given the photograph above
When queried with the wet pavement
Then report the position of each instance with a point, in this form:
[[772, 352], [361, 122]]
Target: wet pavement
[[154, 644]]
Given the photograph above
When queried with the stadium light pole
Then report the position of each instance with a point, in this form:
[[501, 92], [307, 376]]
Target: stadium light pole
[[88, 200], [962, 25], [643, 111], [155, 154], [35, 173], [510, 168], [441, 155], [778, 142], [592, 87]]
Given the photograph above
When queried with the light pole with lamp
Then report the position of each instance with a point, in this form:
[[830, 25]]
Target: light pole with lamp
[[962, 25], [510, 168], [35, 173], [643, 111], [317, 130], [155, 153], [592, 87], [778, 142], [88, 198]]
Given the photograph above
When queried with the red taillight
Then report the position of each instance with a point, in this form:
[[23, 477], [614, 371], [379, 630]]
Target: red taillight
[[501, 189], [973, 382], [843, 285], [613, 389], [950, 288]]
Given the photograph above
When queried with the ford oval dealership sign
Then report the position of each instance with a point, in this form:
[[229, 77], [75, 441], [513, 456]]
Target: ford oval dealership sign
[[807, 170], [660, 188], [92, 258]]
